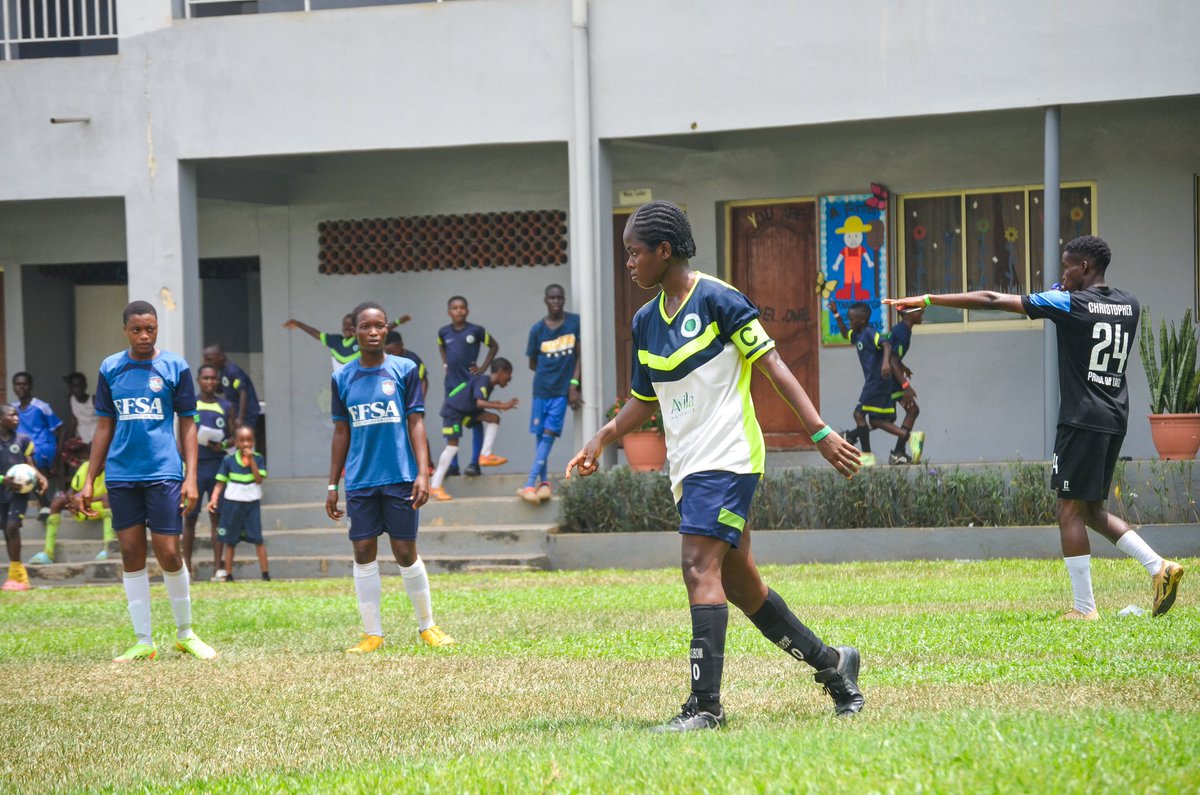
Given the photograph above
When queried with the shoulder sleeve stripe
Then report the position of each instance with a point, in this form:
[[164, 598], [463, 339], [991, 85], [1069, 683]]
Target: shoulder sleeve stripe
[[1052, 299], [642, 397]]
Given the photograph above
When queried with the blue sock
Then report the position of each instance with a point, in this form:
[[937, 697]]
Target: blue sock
[[476, 442], [538, 473]]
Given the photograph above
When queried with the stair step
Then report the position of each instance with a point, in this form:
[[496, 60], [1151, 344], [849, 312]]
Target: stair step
[[466, 512], [489, 484]]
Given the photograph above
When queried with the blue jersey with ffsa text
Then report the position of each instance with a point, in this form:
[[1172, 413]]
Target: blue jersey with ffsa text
[[143, 397], [375, 402]]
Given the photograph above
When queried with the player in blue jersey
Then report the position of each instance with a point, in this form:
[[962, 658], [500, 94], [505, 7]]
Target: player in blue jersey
[[42, 425], [694, 347], [236, 387], [895, 348], [1095, 325], [139, 394], [379, 442], [214, 429], [553, 351], [15, 448], [459, 344], [470, 405]]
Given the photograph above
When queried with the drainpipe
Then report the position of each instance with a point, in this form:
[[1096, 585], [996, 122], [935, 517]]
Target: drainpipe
[[585, 295], [1051, 256]]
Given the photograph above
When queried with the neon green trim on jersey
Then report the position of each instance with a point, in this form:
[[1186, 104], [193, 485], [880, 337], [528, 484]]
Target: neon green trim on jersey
[[206, 406], [731, 519], [456, 389], [680, 356], [878, 410], [662, 301], [643, 397], [750, 426], [247, 477], [421, 371]]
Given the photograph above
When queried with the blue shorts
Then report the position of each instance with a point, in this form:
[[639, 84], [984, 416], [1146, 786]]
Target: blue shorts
[[548, 416], [13, 509], [43, 460], [881, 406], [154, 504], [382, 509], [453, 423], [716, 504], [240, 521], [206, 481]]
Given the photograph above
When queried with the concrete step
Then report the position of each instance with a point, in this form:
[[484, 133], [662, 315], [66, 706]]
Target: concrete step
[[465, 512], [489, 484], [70, 550], [288, 567]]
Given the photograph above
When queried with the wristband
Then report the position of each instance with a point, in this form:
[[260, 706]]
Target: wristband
[[333, 487], [821, 434], [904, 385], [928, 301], [574, 382]]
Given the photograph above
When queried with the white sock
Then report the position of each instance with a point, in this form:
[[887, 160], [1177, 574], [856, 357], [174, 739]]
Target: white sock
[[370, 596], [490, 429], [443, 466], [1136, 547], [1079, 569], [179, 592], [416, 584], [137, 594]]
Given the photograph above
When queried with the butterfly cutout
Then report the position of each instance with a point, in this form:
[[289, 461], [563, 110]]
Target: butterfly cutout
[[825, 286], [879, 197]]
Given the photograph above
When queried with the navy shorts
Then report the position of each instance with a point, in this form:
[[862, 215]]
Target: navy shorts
[[881, 406], [548, 416], [154, 504], [13, 509], [453, 423], [1084, 462], [382, 509], [240, 521], [716, 504], [206, 481]]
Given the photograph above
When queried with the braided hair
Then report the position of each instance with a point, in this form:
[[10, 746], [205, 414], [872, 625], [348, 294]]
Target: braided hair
[[661, 221], [1092, 249]]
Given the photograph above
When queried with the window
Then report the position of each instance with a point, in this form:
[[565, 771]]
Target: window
[[983, 240]]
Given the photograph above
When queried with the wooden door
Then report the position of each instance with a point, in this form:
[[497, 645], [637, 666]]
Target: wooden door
[[628, 298], [773, 260]]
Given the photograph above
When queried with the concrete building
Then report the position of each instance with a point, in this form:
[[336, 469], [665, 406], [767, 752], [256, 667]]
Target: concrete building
[[193, 163]]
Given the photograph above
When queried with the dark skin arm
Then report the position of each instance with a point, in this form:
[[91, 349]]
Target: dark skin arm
[[885, 364], [977, 299], [498, 405], [188, 492], [838, 317], [493, 349], [574, 396], [307, 329], [910, 394], [338, 449], [100, 444], [631, 417], [420, 446]]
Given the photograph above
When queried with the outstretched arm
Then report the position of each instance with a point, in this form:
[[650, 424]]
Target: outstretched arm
[[977, 299], [836, 450], [631, 417], [307, 329], [838, 317]]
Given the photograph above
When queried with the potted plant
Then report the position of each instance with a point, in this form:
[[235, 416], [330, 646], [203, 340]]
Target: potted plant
[[645, 448], [1174, 383]]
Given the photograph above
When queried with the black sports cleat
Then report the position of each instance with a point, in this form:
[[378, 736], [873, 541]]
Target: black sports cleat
[[453, 472], [472, 470], [899, 458], [841, 683], [266, 575], [692, 718]]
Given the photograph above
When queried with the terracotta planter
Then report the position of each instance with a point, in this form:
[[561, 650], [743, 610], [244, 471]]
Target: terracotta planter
[[1176, 436], [646, 451]]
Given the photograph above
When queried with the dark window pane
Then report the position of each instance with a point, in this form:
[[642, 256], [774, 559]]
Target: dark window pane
[[995, 246], [1074, 220], [932, 232]]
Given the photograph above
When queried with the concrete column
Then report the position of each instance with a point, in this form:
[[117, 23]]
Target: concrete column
[[274, 255], [1050, 270], [14, 317], [164, 268]]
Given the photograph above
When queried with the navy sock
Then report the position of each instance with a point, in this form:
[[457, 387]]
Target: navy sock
[[476, 442], [864, 438], [707, 654], [900, 442], [780, 626]]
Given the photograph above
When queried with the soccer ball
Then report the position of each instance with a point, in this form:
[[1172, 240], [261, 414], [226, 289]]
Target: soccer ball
[[21, 478]]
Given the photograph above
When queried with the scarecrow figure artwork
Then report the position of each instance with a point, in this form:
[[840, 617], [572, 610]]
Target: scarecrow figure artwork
[[853, 255]]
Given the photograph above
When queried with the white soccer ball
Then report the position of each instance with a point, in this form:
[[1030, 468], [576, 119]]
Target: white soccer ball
[[21, 478]]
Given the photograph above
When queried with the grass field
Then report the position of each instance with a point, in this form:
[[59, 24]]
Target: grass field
[[970, 684]]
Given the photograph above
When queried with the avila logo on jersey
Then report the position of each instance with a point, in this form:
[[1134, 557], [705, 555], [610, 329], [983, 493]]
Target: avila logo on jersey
[[374, 413], [139, 408]]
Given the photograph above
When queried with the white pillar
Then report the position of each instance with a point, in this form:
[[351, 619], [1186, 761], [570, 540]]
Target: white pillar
[[274, 247], [584, 267], [14, 318], [164, 268]]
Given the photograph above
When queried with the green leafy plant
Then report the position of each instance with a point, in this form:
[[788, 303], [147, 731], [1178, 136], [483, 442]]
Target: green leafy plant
[[1171, 370], [652, 424]]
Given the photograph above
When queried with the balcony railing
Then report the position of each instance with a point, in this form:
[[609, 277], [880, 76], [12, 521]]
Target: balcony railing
[[48, 28], [220, 8]]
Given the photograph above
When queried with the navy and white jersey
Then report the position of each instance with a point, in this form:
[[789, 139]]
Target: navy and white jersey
[[869, 344], [341, 349], [697, 363], [901, 340], [239, 478], [375, 402], [462, 350], [557, 350], [462, 400], [212, 425], [13, 451], [143, 398], [1095, 329]]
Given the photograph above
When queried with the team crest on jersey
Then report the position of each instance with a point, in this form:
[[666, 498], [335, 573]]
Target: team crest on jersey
[[156, 383], [14, 448], [388, 386], [690, 326], [220, 422], [470, 339]]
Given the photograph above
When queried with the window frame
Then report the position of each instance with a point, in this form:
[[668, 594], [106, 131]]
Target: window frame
[[1017, 323]]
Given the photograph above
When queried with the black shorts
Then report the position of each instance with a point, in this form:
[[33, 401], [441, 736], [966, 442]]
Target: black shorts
[[1084, 461], [240, 521]]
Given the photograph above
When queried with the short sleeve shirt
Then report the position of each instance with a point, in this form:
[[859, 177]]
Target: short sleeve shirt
[[415, 359], [901, 339], [143, 397], [868, 342], [39, 422], [342, 349], [12, 452], [375, 402], [239, 478], [462, 350], [216, 417], [556, 350], [84, 412], [1095, 329], [234, 381], [698, 364]]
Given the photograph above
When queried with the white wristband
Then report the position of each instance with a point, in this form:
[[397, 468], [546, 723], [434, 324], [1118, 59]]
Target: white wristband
[[333, 487]]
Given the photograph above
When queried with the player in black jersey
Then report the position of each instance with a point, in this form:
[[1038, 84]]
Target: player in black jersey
[[1095, 324]]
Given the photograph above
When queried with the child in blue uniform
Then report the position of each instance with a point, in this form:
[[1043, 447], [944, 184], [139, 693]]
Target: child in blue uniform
[[42, 425], [897, 346], [139, 393], [553, 351], [876, 407], [239, 481], [466, 407], [214, 418], [15, 448], [236, 387], [379, 442], [459, 343]]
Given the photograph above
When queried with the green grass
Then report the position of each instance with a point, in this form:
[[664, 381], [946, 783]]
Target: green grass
[[971, 686]]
